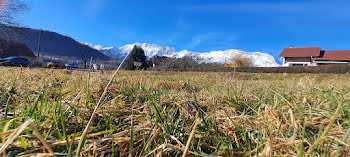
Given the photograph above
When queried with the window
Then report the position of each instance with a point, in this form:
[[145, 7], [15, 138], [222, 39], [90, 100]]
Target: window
[[299, 65]]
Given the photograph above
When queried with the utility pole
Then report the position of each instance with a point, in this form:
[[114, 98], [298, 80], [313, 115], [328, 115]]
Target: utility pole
[[39, 41], [91, 66], [83, 57]]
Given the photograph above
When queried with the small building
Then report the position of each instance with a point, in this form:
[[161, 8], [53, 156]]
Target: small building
[[94, 67], [313, 56]]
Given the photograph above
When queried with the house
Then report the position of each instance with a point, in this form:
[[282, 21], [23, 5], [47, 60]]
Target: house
[[314, 56], [333, 57]]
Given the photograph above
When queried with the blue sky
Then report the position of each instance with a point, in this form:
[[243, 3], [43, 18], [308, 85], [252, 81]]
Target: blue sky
[[198, 25]]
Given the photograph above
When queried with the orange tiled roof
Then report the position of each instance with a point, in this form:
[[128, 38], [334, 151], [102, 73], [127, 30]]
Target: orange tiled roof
[[301, 52], [335, 55]]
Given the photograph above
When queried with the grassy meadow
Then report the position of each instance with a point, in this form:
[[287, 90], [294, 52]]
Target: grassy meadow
[[148, 113]]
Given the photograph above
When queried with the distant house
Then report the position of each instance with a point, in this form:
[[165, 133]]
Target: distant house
[[314, 56]]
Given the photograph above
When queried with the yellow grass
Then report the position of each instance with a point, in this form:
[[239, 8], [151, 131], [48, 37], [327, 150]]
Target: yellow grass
[[153, 113]]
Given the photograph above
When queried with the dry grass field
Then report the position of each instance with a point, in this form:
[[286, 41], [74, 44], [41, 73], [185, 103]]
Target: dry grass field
[[160, 113]]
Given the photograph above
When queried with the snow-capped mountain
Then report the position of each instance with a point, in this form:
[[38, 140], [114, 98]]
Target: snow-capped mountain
[[150, 50], [259, 59]]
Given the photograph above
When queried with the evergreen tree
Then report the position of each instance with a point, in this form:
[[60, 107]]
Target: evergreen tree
[[136, 55], [130, 60]]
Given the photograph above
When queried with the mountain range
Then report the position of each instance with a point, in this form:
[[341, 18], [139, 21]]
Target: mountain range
[[259, 59], [52, 43], [57, 45]]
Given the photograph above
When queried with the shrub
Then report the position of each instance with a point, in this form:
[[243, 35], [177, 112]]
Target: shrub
[[332, 69], [240, 61], [166, 63]]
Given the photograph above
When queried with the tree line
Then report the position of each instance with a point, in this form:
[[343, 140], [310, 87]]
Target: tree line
[[137, 60]]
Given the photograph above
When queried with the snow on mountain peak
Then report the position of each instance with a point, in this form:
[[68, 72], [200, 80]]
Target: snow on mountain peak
[[259, 59]]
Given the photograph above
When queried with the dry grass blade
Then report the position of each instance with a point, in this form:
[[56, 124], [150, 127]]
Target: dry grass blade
[[309, 151], [190, 138], [255, 150], [153, 137], [19, 130], [38, 135], [94, 148], [38, 155], [86, 130], [347, 134], [177, 141], [76, 97], [14, 135], [5, 133], [165, 145]]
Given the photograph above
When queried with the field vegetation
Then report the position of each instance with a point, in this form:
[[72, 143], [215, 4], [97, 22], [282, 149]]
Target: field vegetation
[[145, 113], [239, 61]]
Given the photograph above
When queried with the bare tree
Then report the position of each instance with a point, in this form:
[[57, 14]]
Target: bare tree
[[9, 9], [240, 61]]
